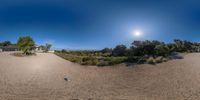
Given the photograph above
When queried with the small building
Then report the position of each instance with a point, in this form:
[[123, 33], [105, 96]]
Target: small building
[[9, 48], [51, 51], [39, 49]]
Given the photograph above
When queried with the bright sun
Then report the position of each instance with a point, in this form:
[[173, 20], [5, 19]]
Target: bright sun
[[137, 33]]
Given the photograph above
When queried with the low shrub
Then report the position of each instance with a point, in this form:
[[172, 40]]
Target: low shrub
[[69, 57], [115, 60], [133, 59], [159, 59], [151, 60], [102, 63], [89, 61], [165, 59]]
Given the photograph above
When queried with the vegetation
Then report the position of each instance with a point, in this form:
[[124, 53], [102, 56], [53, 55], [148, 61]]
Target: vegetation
[[47, 47], [26, 44], [5, 43], [119, 50], [151, 52], [92, 60]]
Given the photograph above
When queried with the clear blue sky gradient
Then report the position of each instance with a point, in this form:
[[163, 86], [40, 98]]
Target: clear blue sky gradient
[[95, 24]]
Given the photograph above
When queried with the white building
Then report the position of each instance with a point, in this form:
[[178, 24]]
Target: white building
[[39, 49]]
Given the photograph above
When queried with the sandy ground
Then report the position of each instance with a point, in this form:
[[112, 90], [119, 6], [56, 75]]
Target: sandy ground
[[41, 78]]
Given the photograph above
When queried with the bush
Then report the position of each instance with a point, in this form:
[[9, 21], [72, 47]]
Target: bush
[[119, 50], [162, 50], [115, 60], [75, 59], [151, 60], [89, 61], [165, 59], [103, 63], [159, 59], [133, 59], [69, 57]]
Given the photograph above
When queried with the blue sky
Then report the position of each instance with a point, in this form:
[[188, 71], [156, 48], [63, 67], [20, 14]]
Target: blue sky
[[95, 24]]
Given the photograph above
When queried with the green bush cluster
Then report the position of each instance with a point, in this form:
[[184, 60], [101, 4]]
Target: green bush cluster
[[91, 60], [69, 57], [140, 52]]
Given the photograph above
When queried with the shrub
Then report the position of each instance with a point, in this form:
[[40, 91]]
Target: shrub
[[165, 59], [119, 50], [89, 61], [103, 63], [162, 50], [115, 60], [151, 60], [69, 57], [159, 59], [75, 59], [133, 59]]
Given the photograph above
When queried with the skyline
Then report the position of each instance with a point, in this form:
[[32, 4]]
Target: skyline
[[98, 24]]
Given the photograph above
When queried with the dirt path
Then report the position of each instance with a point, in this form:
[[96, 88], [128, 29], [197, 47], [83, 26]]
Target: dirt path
[[41, 78]]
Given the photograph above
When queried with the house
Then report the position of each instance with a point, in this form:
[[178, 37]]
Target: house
[[51, 51], [39, 49], [9, 48]]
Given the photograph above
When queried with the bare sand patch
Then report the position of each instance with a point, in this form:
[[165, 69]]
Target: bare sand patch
[[41, 77]]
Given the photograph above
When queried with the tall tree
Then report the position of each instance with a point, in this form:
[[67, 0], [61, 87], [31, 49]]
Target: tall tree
[[47, 47], [6, 43], [26, 44], [119, 50]]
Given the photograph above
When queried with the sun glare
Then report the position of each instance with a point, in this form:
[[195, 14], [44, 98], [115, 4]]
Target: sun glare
[[137, 33]]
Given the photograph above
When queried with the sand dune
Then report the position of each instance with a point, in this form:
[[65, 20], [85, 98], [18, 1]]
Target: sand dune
[[41, 78]]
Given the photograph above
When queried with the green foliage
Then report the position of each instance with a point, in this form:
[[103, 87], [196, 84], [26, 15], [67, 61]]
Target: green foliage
[[119, 50], [106, 50], [26, 44], [89, 61], [92, 60], [102, 63], [115, 60], [162, 50], [151, 52], [47, 47], [141, 48], [69, 57], [186, 46], [5, 43]]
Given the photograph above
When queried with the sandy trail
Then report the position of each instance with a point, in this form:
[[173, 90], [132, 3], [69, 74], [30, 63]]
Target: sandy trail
[[41, 78]]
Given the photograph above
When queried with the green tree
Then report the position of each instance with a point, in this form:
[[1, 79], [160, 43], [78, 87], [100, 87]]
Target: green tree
[[106, 50], [5, 43], [26, 44], [141, 48], [162, 50], [119, 50], [47, 47]]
